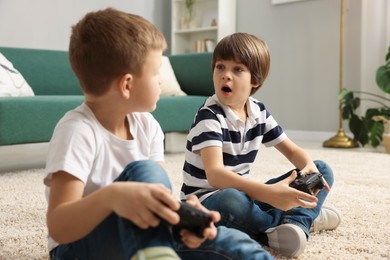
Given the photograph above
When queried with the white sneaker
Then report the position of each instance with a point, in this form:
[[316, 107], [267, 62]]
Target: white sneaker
[[328, 219], [156, 253], [288, 239]]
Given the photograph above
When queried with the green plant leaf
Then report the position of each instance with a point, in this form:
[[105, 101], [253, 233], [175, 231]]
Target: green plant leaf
[[343, 92], [371, 112], [383, 74], [349, 103], [375, 128], [376, 131], [385, 112], [383, 78], [346, 112], [358, 129]]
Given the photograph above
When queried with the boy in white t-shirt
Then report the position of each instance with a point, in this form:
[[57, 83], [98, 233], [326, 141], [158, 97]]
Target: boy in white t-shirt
[[106, 187]]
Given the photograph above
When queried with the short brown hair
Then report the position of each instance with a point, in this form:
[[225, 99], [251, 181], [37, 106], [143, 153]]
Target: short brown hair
[[109, 43], [246, 49]]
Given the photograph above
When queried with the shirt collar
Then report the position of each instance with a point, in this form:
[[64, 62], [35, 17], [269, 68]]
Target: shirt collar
[[252, 110]]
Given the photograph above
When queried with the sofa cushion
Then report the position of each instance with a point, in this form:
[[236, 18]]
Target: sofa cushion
[[176, 114], [193, 72], [32, 119], [169, 85], [12, 82]]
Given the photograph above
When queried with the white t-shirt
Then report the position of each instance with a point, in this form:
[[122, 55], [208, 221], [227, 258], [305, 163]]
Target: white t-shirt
[[81, 146]]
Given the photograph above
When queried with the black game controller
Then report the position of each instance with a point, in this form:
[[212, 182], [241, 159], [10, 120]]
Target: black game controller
[[192, 219], [307, 183]]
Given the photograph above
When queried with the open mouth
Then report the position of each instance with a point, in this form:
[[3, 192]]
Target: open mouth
[[226, 89]]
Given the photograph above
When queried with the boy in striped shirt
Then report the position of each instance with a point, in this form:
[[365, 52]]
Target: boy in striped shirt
[[223, 142]]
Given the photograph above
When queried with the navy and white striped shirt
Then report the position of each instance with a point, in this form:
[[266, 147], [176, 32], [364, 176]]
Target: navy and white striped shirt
[[217, 125]]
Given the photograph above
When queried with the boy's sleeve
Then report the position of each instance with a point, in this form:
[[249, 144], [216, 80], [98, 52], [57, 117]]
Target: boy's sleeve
[[71, 149], [205, 132], [274, 133]]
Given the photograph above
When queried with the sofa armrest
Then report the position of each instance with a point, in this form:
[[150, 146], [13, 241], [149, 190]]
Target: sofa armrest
[[193, 72], [48, 72]]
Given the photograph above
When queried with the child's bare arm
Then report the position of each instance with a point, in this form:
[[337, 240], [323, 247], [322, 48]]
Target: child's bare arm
[[299, 158], [279, 195], [71, 217]]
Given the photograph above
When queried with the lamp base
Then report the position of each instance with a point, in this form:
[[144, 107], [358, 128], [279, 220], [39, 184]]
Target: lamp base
[[340, 140]]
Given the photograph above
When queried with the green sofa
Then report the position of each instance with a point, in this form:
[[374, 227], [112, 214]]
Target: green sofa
[[25, 120]]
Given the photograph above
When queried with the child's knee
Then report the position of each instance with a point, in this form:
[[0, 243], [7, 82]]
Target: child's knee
[[145, 171], [326, 171], [232, 201]]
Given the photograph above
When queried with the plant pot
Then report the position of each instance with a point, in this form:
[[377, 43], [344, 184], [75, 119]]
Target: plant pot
[[386, 142]]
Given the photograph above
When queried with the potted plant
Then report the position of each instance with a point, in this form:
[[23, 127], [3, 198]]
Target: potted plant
[[368, 128], [187, 20], [190, 8]]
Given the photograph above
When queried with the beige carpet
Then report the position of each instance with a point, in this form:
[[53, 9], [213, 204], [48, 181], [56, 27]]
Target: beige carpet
[[361, 192]]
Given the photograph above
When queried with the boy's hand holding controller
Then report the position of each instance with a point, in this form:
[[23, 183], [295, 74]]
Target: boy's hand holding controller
[[144, 204], [152, 202], [281, 196], [310, 183], [310, 169], [194, 236]]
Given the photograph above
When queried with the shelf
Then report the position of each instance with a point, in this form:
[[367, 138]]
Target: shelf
[[213, 20], [194, 30]]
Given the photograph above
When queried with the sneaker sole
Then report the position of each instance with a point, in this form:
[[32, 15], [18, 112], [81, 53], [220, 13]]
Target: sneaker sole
[[288, 239]]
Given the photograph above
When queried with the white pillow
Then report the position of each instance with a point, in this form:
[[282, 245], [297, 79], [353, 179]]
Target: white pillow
[[169, 85], [12, 83]]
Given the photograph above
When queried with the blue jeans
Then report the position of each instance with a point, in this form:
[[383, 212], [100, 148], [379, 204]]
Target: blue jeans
[[254, 217], [118, 238]]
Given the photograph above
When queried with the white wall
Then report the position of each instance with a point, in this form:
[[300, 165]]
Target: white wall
[[301, 91], [375, 42], [304, 39], [46, 24]]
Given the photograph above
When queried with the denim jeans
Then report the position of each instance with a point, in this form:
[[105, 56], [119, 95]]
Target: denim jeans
[[254, 217], [118, 238]]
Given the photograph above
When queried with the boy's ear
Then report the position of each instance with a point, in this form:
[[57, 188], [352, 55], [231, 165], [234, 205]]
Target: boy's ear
[[256, 86], [125, 85]]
